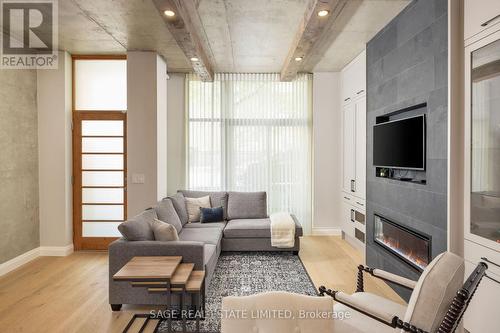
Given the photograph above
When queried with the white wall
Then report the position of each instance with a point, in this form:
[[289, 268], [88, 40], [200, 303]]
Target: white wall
[[145, 99], [161, 127], [55, 153], [176, 133], [326, 153]]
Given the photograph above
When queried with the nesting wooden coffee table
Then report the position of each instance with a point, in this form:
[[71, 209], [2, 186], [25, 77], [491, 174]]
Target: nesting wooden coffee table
[[166, 275]]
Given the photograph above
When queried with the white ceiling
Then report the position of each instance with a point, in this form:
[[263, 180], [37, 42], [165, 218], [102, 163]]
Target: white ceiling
[[244, 35]]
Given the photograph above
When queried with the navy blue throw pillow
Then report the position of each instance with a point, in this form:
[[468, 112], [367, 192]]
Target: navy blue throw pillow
[[208, 215]]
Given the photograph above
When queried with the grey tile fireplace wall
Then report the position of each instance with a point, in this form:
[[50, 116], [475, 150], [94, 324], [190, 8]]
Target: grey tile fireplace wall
[[406, 66]]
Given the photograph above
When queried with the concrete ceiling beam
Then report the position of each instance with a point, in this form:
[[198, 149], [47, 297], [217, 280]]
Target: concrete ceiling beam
[[187, 29], [311, 30]]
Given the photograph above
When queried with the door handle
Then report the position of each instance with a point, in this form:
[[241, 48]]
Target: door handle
[[353, 185], [348, 98], [347, 198], [352, 215], [359, 92]]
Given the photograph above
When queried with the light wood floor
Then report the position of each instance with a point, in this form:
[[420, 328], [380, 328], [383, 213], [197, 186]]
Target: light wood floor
[[70, 294]]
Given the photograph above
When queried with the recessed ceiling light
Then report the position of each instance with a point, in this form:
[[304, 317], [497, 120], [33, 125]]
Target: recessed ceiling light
[[322, 13], [298, 59], [169, 13], [194, 59]]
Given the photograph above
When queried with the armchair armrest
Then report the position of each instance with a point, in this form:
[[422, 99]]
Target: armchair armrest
[[402, 281], [383, 275], [370, 310]]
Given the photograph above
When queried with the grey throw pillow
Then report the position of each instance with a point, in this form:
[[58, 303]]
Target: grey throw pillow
[[166, 213], [138, 228], [180, 207], [164, 232], [246, 205]]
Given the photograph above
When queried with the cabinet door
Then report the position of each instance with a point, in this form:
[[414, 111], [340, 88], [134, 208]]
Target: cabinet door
[[480, 17], [347, 219], [482, 142], [348, 149], [360, 158]]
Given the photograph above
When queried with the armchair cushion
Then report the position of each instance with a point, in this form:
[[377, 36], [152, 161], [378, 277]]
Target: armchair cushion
[[370, 303], [434, 291]]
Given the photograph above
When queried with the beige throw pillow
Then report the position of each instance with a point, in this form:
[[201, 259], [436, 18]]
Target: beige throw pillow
[[193, 206], [164, 232]]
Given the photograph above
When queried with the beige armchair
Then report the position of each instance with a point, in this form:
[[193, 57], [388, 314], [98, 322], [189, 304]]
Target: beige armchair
[[437, 304], [275, 312]]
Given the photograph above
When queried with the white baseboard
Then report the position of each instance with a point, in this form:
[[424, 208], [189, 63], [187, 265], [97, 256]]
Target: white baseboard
[[18, 261], [42, 251], [56, 251], [326, 231]]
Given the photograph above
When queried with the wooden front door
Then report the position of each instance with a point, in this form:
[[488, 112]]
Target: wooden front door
[[99, 177]]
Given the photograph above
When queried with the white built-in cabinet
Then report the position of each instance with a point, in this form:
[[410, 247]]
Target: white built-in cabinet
[[482, 159], [353, 92], [480, 17]]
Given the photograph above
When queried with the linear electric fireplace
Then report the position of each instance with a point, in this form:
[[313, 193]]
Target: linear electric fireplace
[[409, 245]]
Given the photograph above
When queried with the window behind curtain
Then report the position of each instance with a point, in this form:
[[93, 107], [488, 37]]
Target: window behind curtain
[[251, 132]]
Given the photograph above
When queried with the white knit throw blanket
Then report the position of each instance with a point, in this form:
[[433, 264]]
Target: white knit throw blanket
[[282, 230]]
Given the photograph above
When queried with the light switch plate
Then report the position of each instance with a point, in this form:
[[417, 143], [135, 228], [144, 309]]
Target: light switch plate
[[138, 178]]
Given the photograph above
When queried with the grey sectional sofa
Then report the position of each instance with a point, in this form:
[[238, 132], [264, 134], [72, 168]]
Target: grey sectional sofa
[[246, 227]]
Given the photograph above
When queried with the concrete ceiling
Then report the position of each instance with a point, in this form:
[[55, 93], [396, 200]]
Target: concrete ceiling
[[359, 22], [244, 35]]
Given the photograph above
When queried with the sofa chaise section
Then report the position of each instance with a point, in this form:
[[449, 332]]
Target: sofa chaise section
[[255, 235]]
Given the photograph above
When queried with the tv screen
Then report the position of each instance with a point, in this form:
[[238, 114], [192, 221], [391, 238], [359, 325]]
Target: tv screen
[[400, 144]]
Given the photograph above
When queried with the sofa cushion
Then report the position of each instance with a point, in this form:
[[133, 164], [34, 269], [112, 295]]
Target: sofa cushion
[[180, 207], [246, 205], [166, 212], [164, 232], [205, 235], [138, 228], [248, 228], [254, 228], [193, 206], [217, 199], [195, 225]]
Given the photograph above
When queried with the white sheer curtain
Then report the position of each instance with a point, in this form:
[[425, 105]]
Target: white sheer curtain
[[252, 132]]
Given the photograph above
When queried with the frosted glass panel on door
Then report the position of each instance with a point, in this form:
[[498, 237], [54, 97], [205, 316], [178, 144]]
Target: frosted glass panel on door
[[102, 212], [100, 229], [102, 127], [102, 162], [102, 195], [102, 145], [102, 178], [100, 84]]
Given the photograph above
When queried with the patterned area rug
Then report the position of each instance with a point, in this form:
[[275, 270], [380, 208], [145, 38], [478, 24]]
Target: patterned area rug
[[247, 273]]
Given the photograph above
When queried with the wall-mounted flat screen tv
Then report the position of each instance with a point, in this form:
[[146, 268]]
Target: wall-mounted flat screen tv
[[400, 143]]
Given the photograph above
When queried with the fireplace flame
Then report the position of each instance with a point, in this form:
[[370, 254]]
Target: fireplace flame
[[409, 254]]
